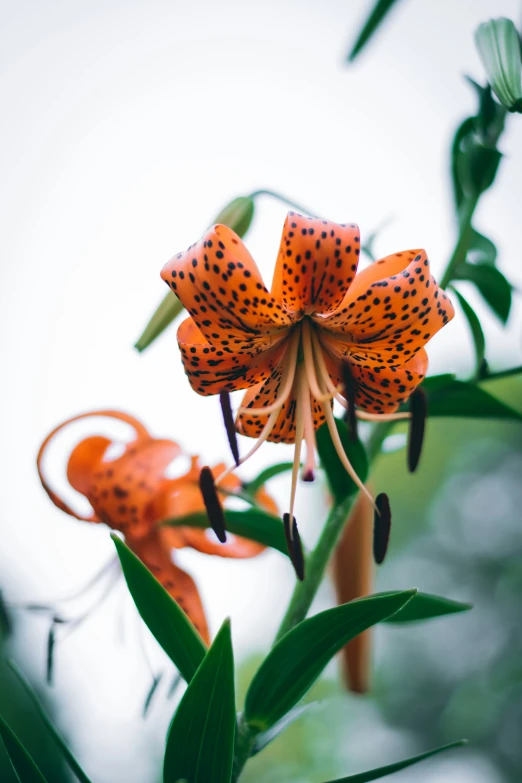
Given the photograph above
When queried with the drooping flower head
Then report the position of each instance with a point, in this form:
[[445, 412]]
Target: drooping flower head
[[133, 494], [293, 346]]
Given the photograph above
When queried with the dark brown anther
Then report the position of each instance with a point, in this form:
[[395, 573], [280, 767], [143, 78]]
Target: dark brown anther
[[381, 527], [419, 412], [228, 419], [308, 475], [212, 503], [349, 394], [295, 548], [50, 655]]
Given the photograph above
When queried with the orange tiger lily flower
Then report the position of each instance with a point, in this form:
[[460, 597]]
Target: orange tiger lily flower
[[290, 346], [133, 495]]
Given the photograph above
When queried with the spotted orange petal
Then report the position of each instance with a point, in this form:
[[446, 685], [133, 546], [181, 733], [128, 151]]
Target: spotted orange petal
[[220, 285], [316, 264], [177, 582], [125, 491], [211, 369], [394, 301], [87, 460], [235, 547], [379, 387]]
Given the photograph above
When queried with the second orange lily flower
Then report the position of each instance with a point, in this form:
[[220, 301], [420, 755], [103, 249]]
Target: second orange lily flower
[[132, 494]]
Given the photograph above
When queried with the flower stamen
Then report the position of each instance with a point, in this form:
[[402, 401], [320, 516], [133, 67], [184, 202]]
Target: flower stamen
[[287, 383], [336, 440], [308, 351]]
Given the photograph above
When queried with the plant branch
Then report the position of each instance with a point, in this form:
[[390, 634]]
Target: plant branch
[[304, 592]]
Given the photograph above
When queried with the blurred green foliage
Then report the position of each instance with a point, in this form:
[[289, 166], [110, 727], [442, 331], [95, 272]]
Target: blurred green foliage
[[436, 681]]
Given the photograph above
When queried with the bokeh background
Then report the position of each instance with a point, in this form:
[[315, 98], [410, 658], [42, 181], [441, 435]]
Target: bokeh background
[[126, 127]]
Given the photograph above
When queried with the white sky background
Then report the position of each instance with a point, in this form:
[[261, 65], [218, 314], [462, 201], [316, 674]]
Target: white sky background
[[126, 127]]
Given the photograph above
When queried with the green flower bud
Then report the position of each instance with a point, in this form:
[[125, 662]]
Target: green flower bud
[[498, 44], [237, 215]]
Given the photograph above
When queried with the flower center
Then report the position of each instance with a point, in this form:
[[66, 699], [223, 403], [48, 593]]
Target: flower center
[[305, 376]]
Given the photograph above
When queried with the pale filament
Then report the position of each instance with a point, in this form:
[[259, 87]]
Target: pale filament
[[308, 424], [309, 364], [273, 410], [267, 429], [336, 440], [288, 380], [299, 429], [336, 392]]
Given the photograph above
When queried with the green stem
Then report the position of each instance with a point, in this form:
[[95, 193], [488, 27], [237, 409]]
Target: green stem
[[245, 736], [279, 197], [463, 241], [491, 376], [304, 592]]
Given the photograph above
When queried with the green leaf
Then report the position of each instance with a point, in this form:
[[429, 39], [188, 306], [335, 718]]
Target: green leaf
[[381, 772], [481, 249], [299, 657], [477, 334], [467, 400], [341, 485], [165, 619], [200, 741], [425, 606], [374, 21], [273, 470], [464, 130], [266, 737], [23, 764], [491, 283], [433, 383], [252, 523], [68, 756]]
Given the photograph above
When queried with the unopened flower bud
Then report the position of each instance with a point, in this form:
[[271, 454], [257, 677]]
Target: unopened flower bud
[[237, 215], [498, 44]]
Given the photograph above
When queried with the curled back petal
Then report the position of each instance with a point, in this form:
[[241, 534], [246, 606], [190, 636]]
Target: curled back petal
[[82, 468], [211, 369], [221, 287], [379, 387], [394, 301], [316, 264], [177, 582], [235, 546]]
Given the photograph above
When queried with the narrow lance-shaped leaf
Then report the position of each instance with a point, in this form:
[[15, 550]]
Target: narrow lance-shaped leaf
[[466, 400], [165, 619], [200, 742], [425, 606], [297, 660], [266, 737], [491, 284], [252, 523], [23, 764], [68, 756], [374, 21], [389, 769], [273, 470], [477, 334]]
